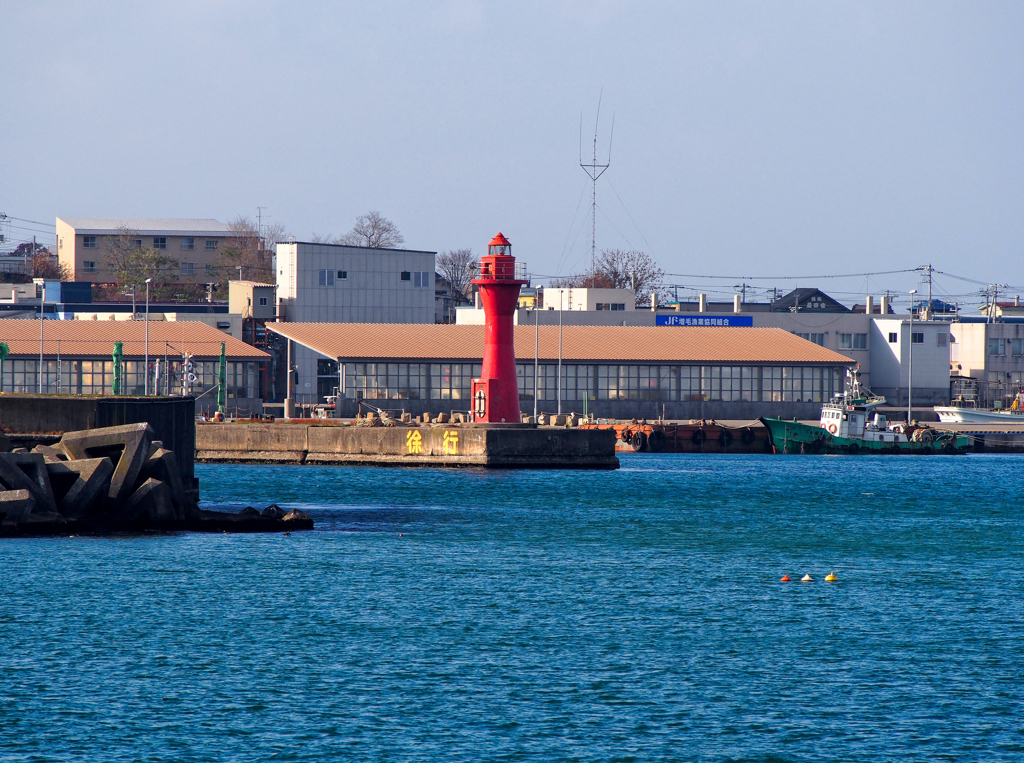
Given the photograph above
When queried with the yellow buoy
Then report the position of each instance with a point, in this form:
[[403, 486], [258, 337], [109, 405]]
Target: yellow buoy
[[831, 578], [806, 579]]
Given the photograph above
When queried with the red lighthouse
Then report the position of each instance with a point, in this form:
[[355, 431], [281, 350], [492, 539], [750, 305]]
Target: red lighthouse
[[495, 393]]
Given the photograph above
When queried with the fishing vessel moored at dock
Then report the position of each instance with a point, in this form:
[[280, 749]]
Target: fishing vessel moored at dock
[[850, 425]]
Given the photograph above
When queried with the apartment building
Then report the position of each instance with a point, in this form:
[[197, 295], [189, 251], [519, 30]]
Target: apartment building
[[83, 244]]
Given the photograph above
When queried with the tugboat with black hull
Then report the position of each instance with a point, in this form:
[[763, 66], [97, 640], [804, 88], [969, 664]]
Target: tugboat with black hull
[[850, 425]]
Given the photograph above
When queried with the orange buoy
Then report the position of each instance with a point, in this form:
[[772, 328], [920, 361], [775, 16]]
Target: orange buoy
[[784, 579]]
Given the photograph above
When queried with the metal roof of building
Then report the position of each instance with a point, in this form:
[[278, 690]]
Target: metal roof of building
[[625, 344], [255, 284], [95, 339], [148, 226]]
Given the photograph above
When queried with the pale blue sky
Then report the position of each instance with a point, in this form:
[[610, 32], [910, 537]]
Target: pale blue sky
[[751, 138]]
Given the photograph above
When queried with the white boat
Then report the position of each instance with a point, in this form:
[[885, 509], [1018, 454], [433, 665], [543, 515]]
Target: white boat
[[961, 414]]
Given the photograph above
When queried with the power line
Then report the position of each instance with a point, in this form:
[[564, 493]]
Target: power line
[[22, 219], [792, 278], [649, 247]]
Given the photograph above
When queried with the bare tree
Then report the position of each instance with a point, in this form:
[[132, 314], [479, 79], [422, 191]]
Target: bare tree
[[250, 249], [618, 269], [131, 263], [373, 230], [456, 265], [322, 238]]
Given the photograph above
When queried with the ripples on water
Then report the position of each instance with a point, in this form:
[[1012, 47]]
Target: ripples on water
[[473, 615]]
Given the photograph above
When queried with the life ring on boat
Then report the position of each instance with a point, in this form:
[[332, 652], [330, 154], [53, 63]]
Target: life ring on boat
[[725, 438], [699, 436], [832, 428], [656, 441], [637, 441], [747, 437]]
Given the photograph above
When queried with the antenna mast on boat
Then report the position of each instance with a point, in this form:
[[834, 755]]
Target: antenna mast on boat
[[594, 171]]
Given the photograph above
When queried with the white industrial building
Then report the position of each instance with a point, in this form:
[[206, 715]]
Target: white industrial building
[[329, 283], [892, 342]]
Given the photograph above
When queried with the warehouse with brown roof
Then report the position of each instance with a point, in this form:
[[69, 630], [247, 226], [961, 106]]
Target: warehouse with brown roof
[[611, 371], [77, 358]]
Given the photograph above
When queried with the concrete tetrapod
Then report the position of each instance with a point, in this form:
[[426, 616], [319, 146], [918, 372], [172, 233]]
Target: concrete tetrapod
[[15, 505], [27, 471], [152, 502], [127, 445], [81, 482]]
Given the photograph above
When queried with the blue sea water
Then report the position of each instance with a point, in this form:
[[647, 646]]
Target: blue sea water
[[484, 615]]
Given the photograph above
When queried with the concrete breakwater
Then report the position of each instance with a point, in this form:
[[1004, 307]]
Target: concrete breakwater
[[499, 446], [111, 479]]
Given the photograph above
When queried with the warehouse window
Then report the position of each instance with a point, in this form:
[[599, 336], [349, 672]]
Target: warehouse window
[[997, 346], [263, 301], [211, 244], [88, 242], [188, 244], [406, 275], [342, 275], [917, 338], [853, 341], [618, 306], [326, 278], [818, 339], [598, 382], [89, 266], [893, 337], [159, 242], [188, 268], [940, 339]]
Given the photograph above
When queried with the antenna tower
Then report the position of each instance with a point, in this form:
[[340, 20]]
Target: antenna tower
[[594, 171]]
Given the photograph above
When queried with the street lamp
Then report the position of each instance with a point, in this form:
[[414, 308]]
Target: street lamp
[[146, 366], [910, 359]]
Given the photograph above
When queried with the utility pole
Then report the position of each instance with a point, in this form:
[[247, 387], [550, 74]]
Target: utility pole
[[536, 357], [259, 227], [910, 360], [41, 305]]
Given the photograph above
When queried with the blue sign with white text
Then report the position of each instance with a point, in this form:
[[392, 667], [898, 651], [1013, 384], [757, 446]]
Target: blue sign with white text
[[704, 320]]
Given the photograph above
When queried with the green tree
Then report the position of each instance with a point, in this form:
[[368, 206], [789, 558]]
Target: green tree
[[131, 263]]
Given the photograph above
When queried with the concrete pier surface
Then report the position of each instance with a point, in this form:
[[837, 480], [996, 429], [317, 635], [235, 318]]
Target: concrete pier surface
[[497, 446]]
